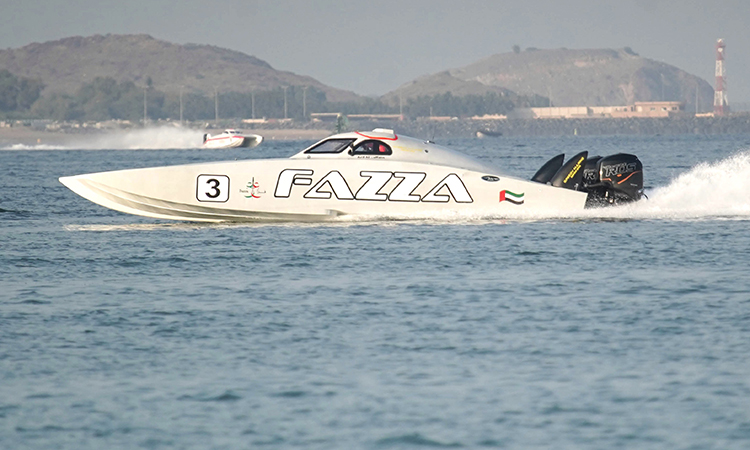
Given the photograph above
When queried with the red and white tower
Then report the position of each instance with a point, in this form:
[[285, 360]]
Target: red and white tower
[[721, 104]]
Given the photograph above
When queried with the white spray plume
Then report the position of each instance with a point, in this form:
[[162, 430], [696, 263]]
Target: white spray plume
[[152, 138], [147, 138], [720, 189]]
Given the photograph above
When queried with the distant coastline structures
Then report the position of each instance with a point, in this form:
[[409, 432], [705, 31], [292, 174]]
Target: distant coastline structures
[[637, 109], [101, 84], [721, 104]]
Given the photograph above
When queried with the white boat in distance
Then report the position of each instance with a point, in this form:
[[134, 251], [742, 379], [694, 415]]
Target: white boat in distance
[[376, 174], [231, 139]]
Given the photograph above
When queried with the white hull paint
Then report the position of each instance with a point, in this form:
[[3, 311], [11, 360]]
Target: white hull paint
[[232, 140]]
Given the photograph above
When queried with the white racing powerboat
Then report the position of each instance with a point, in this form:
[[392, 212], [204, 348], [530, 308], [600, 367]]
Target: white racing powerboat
[[376, 173], [231, 139]]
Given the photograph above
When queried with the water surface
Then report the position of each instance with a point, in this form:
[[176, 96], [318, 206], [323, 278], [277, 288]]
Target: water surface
[[626, 328]]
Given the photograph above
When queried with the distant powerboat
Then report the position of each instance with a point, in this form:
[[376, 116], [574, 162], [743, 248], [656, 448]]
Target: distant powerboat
[[231, 139], [483, 133], [376, 173]]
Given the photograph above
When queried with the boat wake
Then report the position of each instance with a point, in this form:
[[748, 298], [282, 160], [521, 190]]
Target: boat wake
[[154, 138], [157, 138], [707, 191], [33, 147]]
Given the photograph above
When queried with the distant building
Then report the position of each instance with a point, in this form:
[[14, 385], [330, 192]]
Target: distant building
[[325, 117], [332, 117], [491, 117], [638, 109], [375, 117], [437, 118], [658, 109], [254, 121]]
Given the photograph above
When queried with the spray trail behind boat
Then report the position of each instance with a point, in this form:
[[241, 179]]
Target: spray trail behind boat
[[152, 138], [708, 190]]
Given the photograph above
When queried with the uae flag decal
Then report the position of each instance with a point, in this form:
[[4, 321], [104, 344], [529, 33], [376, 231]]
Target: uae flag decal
[[508, 196]]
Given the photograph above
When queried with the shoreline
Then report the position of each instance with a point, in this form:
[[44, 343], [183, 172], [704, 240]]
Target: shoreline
[[167, 136], [184, 137]]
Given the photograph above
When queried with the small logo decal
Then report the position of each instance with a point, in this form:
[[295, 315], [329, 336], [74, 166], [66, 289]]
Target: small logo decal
[[512, 197], [490, 178], [574, 170], [252, 190]]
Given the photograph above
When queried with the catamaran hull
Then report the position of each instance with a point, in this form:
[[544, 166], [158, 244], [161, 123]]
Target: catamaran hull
[[298, 189], [233, 141]]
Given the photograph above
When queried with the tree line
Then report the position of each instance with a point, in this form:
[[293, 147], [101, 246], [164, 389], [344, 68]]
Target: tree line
[[18, 93], [105, 98]]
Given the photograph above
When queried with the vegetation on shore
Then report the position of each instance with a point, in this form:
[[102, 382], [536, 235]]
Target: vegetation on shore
[[18, 94], [104, 99]]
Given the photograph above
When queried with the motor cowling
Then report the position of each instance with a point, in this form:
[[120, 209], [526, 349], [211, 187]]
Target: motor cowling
[[549, 169], [613, 179], [570, 175], [591, 171]]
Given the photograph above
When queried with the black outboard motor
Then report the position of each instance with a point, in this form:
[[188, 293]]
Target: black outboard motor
[[613, 180], [570, 175], [549, 169], [591, 171], [567, 176]]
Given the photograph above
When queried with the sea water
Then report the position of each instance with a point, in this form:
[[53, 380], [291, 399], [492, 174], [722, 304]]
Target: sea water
[[619, 328]]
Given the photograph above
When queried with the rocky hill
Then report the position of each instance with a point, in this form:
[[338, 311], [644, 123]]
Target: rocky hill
[[440, 83], [65, 64], [572, 78]]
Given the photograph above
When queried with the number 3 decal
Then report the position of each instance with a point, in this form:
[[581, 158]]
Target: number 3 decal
[[212, 188]]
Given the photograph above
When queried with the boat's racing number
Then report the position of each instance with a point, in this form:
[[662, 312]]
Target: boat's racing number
[[212, 188]]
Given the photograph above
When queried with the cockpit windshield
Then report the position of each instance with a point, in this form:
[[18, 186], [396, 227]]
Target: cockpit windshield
[[331, 146]]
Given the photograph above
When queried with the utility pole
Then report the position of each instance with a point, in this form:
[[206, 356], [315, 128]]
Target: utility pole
[[304, 102], [252, 102], [145, 105], [285, 88], [181, 105], [696, 99], [216, 104]]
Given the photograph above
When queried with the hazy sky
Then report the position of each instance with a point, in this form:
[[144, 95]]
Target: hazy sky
[[372, 47]]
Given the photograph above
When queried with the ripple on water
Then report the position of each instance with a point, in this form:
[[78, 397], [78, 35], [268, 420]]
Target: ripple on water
[[414, 439], [226, 396]]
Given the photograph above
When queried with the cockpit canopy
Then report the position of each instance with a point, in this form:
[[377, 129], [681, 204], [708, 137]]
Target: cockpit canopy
[[384, 144]]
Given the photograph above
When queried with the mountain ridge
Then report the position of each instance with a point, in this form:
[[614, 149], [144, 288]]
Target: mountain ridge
[[568, 77], [64, 64], [585, 77]]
